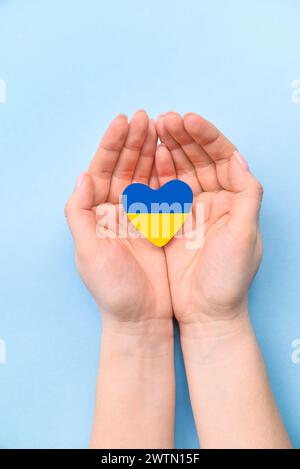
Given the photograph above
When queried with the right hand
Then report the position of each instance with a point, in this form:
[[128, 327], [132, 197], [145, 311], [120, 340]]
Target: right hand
[[210, 283]]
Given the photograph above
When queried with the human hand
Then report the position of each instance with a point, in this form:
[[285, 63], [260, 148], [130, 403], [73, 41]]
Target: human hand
[[210, 283], [127, 276]]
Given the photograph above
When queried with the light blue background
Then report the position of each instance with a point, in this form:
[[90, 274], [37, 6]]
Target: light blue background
[[69, 66]]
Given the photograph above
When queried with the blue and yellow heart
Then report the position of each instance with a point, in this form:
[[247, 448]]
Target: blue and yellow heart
[[158, 214]]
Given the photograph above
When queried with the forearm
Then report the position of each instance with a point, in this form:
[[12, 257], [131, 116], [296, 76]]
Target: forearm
[[230, 392], [135, 389]]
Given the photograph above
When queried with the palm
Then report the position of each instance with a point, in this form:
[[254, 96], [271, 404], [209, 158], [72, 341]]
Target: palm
[[202, 275], [136, 271]]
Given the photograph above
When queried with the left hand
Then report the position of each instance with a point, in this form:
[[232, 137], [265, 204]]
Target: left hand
[[127, 276]]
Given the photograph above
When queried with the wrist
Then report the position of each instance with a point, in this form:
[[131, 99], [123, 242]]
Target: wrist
[[144, 338], [206, 326], [212, 321], [218, 341]]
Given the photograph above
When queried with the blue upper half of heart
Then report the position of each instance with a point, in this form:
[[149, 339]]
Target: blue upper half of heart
[[174, 197]]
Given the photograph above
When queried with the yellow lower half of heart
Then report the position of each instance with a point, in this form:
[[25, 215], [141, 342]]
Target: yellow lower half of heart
[[158, 228]]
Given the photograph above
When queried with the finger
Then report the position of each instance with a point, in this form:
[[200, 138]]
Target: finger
[[183, 166], [125, 167], [81, 217], [204, 166], [146, 159], [247, 196], [153, 182], [164, 165], [106, 157], [215, 144], [164, 136]]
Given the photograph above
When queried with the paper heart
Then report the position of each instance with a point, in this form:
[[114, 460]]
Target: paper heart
[[158, 214]]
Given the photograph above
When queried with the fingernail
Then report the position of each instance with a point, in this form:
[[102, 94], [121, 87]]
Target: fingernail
[[241, 160], [79, 180], [122, 115]]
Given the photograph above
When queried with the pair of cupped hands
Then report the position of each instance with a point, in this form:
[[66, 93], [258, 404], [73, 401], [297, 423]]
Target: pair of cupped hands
[[137, 283]]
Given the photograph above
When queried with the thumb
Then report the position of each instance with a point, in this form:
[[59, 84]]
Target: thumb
[[248, 192], [80, 215]]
